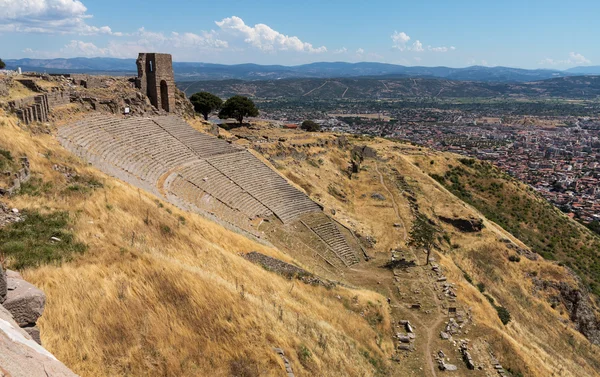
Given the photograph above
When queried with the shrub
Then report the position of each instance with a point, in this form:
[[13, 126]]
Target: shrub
[[514, 258], [166, 230], [481, 287], [504, 314], [304, 355]]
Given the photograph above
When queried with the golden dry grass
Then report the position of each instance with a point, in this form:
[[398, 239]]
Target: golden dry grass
[[145, 301], [537, 341]]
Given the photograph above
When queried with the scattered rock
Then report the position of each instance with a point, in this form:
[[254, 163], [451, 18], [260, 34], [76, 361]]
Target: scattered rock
[[25, 302], [286, 269], [448, 367], [377, 196], [464, 225]]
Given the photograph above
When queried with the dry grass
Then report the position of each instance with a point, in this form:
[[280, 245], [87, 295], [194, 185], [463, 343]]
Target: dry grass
[[146, 301], [182, 302]]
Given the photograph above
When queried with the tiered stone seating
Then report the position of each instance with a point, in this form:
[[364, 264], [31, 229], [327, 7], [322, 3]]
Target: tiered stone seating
[[203, 201], [200, 172], [264, 184], [202, 144], [204, 176], [329, 233]]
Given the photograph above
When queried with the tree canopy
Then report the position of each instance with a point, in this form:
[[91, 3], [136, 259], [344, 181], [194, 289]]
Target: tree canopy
[[2, 64], [310, 126], [423, 234], [238, 107], [205, 103]]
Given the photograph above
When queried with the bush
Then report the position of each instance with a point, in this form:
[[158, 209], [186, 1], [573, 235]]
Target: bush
[[504, 314], [481, 287], [30, 243], [514, 258], [304, 355], [310, 126]]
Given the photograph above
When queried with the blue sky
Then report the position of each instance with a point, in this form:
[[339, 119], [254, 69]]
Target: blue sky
[[457, 33]]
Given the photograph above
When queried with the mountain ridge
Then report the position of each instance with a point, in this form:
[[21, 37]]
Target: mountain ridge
[[190, 71]]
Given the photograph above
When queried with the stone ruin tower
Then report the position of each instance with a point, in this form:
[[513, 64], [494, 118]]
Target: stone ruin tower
[[156, 79]]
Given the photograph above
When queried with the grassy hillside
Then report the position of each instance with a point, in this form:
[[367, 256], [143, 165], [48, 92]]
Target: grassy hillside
[[156, 291], [518, 209], [136, 286]]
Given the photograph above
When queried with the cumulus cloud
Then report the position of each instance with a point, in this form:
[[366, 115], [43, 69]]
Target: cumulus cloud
[[265, 38], [400, 41], [342, 50], [574, 59], [417, 46], [48, 16], [360, 51]]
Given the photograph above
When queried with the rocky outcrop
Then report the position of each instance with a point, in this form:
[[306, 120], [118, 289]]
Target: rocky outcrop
[[24, 301], [18, 178], [286, 269], [464, 225], [21, 354], [364, 151], [582, 312]]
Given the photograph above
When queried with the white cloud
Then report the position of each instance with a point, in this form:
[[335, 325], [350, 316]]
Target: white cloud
[[574, 59], [417, 46], [48, 16], [441, 49], [80, 48], [360, 51], [342, 50], [578, 59], [400, 40], [265, 38]]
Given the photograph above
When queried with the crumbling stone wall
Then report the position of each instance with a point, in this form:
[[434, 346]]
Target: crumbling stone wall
[[87, 81], [36, 108], [285, 269], [156, 79], [58, 98], [31, 109]]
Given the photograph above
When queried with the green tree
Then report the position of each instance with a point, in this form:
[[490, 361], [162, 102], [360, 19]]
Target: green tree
[[238, 107], [310, 126], [422, 234], [205, 103], [2, 64]]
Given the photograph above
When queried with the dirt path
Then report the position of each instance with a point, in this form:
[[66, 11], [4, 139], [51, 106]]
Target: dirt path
[[393, 201], [307, 93], [431, 329]]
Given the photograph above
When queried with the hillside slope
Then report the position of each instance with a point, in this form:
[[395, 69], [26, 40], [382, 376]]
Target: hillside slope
[[137, 286]]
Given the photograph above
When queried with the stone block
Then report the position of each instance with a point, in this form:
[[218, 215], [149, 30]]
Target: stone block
[[34, 333], [24, 301], [2, 285], [21, 356]]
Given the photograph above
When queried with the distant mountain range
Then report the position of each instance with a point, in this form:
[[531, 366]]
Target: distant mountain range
[[382, 87], [207, 71]]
